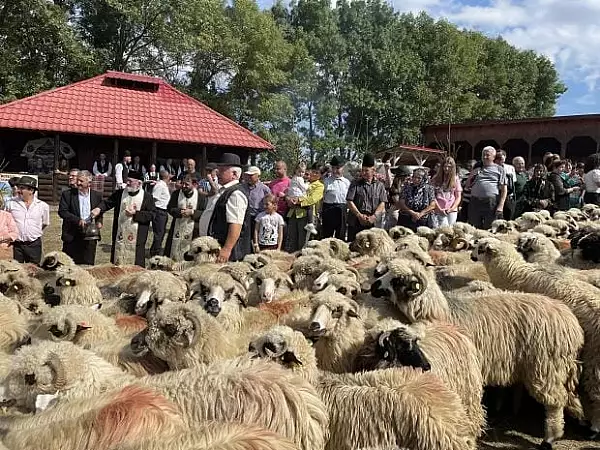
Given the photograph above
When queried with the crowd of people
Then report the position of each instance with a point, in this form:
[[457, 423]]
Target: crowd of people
[[230, 202]]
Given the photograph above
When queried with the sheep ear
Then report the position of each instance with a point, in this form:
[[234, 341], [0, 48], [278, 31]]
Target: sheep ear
[[96, 306], [353, 313]]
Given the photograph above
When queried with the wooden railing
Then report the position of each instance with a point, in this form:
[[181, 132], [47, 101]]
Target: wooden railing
[[52, 185]]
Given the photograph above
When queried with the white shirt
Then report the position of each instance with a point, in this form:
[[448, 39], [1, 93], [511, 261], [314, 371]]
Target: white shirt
[[268, 228], [235, 210], [161, 194], [30, 221], [84, 204], [96, 172], [336, 190], [119, 176], [298, 187], [590, 179]]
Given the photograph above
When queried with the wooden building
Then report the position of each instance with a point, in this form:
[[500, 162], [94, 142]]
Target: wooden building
[[70, 126]]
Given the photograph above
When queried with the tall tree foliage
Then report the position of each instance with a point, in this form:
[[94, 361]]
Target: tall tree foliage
[[315, 80]]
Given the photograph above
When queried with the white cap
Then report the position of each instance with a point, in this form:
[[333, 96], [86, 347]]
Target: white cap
[[252, 170]]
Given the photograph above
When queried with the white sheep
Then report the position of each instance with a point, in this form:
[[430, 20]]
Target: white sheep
[[373, 242], [269, 283], [158, 285], [335, 248], [243, 390], [383, 408], [508, 270], [76, 286], [513, 333], [399, 231], [449, 353], [203, 249], [185, 335]]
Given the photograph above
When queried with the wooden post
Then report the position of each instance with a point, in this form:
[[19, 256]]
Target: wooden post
[[154, 151], [204, 160], [115, 161], [54, 174]]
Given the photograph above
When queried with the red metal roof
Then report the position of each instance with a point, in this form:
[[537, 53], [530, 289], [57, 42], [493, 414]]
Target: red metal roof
[[412, 148], [141, 108]]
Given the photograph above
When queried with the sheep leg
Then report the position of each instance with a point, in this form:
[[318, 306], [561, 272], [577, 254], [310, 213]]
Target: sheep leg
[[517, 398], [554, 426]]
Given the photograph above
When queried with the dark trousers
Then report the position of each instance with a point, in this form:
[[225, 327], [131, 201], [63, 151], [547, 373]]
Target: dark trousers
[[405, 220], [482, 212], [591, 197], [28, 252], [82, 251], [296, 234], [355, 228], [333, 220], [159, 225], [509, 209]]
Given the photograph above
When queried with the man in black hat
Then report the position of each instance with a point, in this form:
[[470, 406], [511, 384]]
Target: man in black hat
[[366, 198], [134, 211], [32, 216], [229, 219], [333, 216], [121, 170]]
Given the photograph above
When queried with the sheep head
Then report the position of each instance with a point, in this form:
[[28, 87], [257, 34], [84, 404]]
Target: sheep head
[[272, 282], [528, 243], [213, 289], [203, 249], [161, 263], [61, 325], [332, 311], [174, 329], [283, 345], [344, 283], [394, 347], [257, 260], [528, 221], [502, 226], [42, 369], [56, 259], [412, 241], [398, 232], [488, 248], [372, 242], [444, 238], [401, 282], [546, 230]]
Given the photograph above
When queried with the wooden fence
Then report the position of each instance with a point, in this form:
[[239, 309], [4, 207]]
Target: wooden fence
[[52, 185]]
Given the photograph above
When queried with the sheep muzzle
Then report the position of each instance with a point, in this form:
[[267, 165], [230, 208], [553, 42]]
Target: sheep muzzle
[[321, 281], [213, 307], [187, 256], [378, 291]]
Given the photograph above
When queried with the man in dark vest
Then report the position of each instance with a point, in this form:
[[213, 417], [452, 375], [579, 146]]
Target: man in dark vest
[[229, 222]]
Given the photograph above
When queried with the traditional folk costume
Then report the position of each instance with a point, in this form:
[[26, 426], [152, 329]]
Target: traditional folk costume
[[183, 229], [129, 234]]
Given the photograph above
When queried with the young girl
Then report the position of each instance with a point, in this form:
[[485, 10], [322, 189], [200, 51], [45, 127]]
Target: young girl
[[268, 233], [448, 191]]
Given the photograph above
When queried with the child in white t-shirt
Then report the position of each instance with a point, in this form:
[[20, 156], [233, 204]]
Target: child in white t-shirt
[[298, 185], [268, 232]]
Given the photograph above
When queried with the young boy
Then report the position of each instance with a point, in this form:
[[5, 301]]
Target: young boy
[[268, 233]]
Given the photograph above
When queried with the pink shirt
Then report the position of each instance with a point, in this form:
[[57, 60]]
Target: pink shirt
[[445, 199], [30, 221], [8, 227], [278, 187]]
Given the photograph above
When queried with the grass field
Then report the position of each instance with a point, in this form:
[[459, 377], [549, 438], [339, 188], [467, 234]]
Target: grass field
[[51, 239]]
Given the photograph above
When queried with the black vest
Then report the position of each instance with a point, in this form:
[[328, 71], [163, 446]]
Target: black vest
[[102, 166], [125, 172], [218, 226]]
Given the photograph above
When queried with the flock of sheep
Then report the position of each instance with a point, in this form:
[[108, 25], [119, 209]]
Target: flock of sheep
[[384, 344]]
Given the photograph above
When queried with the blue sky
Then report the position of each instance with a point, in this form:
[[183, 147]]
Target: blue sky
[[566, 31]]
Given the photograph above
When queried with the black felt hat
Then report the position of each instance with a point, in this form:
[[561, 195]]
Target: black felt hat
[[337, 161], [27, 181], [135, 175], [230, 160], [368, 160], [401, 171]]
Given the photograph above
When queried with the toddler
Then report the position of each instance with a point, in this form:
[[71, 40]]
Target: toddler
[[268, 232]]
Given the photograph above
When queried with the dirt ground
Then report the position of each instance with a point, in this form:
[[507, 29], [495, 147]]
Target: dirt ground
[[506, 431]]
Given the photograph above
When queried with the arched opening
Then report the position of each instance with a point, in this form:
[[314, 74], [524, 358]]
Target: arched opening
[[481, 144], [541, 146], [580, 147], [462, 151], [516, 147]]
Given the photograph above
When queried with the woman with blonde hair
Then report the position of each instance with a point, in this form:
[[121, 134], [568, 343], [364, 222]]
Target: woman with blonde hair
[[448, 194], [8, 231]]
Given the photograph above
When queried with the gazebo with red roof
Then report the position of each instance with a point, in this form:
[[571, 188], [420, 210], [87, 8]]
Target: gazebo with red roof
[[114, 112]]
